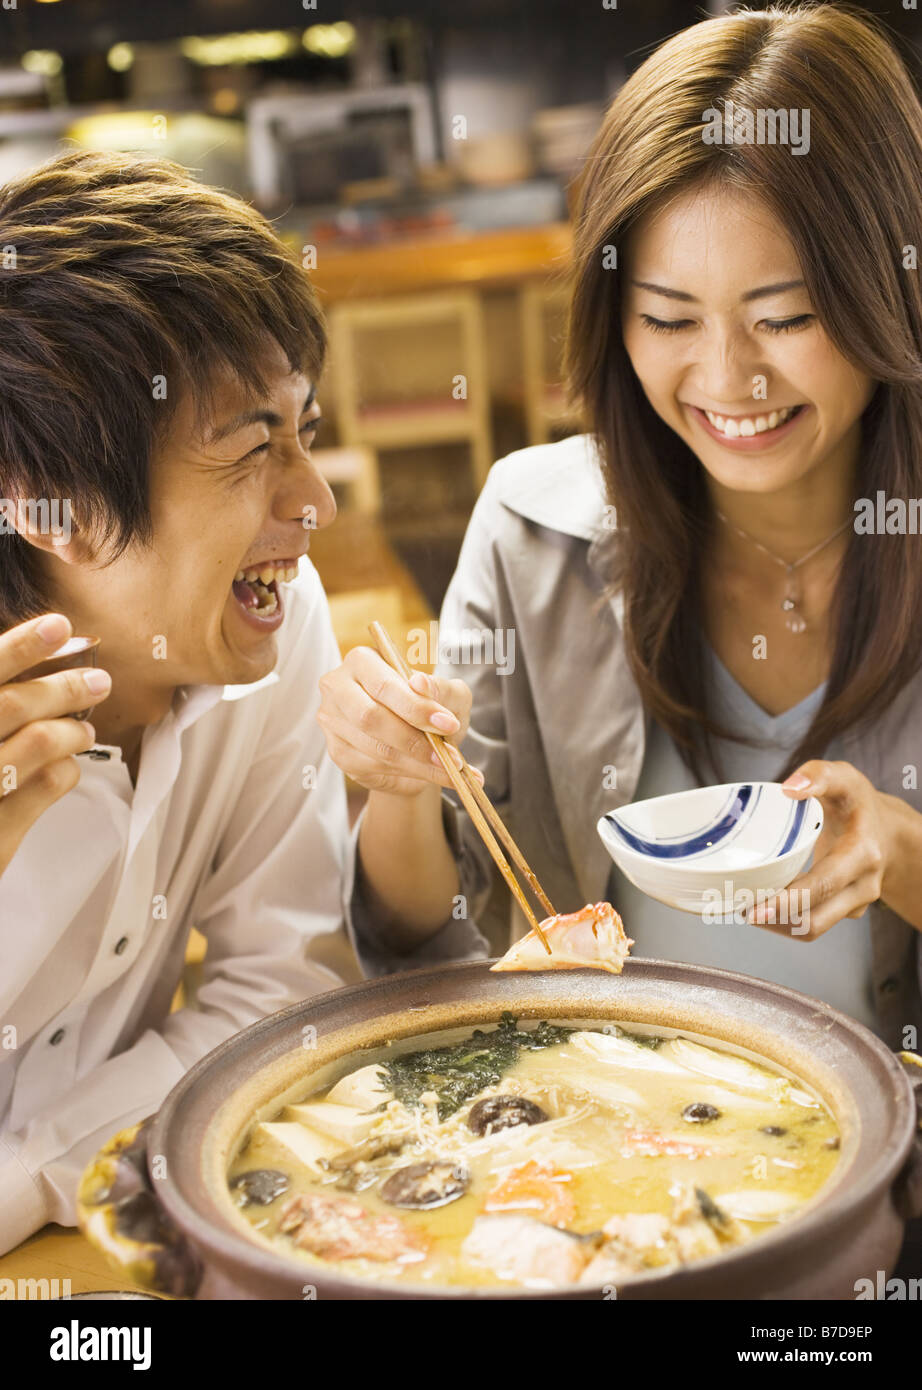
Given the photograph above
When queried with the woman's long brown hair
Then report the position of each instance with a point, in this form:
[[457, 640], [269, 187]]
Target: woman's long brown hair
[[851, 207]]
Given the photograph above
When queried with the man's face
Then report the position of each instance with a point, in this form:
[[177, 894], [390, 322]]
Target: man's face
[[235, 496]]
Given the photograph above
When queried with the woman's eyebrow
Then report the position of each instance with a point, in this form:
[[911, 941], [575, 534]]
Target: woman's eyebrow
[[760, 293], [256, 417]]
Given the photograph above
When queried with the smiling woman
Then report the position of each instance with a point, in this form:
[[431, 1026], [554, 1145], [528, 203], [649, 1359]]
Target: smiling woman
[[789, 355], [690, 598]]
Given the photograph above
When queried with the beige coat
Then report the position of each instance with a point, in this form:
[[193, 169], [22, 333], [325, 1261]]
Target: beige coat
[[567, 722]]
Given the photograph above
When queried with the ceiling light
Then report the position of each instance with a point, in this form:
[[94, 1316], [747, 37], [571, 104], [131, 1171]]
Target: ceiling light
[[120, 57], [329, 40], [257, 46], [43, 61]]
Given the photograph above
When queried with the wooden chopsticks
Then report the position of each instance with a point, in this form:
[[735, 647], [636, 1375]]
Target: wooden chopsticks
[[475, 801]]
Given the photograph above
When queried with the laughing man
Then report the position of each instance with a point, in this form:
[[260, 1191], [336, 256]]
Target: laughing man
[[158, 354]]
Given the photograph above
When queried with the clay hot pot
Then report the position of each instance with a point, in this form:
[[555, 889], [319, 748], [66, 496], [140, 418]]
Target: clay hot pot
[[156, 1198]]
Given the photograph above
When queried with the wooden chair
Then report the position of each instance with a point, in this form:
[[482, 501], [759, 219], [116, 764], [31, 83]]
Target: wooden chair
[[397, 363], [542, 310]]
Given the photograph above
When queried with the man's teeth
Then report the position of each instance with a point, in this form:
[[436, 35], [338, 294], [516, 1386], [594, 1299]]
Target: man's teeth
[[749, 425], [267, 573]]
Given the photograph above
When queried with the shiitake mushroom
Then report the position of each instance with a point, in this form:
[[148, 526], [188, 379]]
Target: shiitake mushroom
[[434, 1183], [260, 1186], [700, 1112], [503, 1112]]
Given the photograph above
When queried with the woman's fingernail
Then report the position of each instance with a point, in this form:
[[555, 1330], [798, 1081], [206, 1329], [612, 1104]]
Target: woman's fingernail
[[797, 781], [55, 629], [419, 683], [445, 723], [97, 682]]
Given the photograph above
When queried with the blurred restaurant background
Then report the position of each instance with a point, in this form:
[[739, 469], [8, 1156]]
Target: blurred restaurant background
[[419, 157]]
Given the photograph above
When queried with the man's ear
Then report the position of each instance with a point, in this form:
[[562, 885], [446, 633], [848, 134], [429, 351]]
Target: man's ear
[[48, 525]]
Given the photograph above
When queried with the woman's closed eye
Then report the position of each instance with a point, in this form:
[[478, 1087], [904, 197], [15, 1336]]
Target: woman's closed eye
[[792, 325]]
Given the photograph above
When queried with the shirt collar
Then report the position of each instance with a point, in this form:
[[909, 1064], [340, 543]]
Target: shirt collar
[[190, 702], [563, 488]]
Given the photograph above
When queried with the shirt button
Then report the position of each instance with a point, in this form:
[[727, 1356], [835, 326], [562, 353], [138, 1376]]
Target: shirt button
[[120, 945], [56, 1037], [890, 986]]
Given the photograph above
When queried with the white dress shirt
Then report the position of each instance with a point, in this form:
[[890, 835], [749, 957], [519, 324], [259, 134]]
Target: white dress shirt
[[237, 826]]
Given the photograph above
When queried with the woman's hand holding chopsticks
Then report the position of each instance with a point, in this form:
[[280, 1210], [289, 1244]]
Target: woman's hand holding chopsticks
[[375, 726], [376, 723]]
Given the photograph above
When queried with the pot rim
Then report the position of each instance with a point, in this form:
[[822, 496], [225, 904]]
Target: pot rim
[[222, 1245]]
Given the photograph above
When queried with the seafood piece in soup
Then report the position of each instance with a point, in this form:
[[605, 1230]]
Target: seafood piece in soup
[[526, 1251], [337, 1228], [593, 937], [540, 1187]]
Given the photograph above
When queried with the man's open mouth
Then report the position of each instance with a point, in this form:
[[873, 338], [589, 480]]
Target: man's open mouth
[[256, 589]]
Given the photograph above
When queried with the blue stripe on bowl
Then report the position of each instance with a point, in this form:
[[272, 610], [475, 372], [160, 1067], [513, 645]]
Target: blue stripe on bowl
[[799, 813], [704, 839], [684, 836]]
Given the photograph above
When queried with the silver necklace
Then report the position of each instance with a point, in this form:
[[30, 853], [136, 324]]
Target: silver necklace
[[794, 620]]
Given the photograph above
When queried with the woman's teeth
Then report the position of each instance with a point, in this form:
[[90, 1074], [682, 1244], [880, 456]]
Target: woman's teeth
[[746, 426]]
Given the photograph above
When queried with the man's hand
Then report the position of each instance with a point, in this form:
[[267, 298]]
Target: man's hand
[[37, 739]]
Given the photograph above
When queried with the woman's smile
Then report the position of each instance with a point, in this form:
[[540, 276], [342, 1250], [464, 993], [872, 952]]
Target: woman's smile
[[749, 433]]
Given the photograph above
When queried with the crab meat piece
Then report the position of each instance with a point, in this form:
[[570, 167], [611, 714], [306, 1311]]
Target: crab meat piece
[[523, 1249], [700, 1226], [337, 1228], [537, 1187], [593, 937], [648, 1143], [636, 1242]]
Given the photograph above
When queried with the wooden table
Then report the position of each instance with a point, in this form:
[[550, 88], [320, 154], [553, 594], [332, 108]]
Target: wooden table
[[62, 1253]]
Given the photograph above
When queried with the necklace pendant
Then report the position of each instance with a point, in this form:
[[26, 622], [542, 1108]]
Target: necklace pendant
[[793, 620]]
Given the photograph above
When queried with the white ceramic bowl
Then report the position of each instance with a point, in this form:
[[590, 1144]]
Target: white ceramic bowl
[[713, 850]]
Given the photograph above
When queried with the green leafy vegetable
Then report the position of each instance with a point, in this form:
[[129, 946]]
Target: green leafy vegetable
[[641, 1039], [462, 1070], [645, 1040]]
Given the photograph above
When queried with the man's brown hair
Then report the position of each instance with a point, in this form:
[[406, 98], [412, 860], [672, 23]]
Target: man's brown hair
[[121, 276]]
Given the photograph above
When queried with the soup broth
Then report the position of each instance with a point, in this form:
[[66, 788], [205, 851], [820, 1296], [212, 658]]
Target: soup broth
[[536, 1157]]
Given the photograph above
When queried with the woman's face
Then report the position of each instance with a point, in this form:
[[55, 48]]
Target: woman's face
[[725, 342]]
